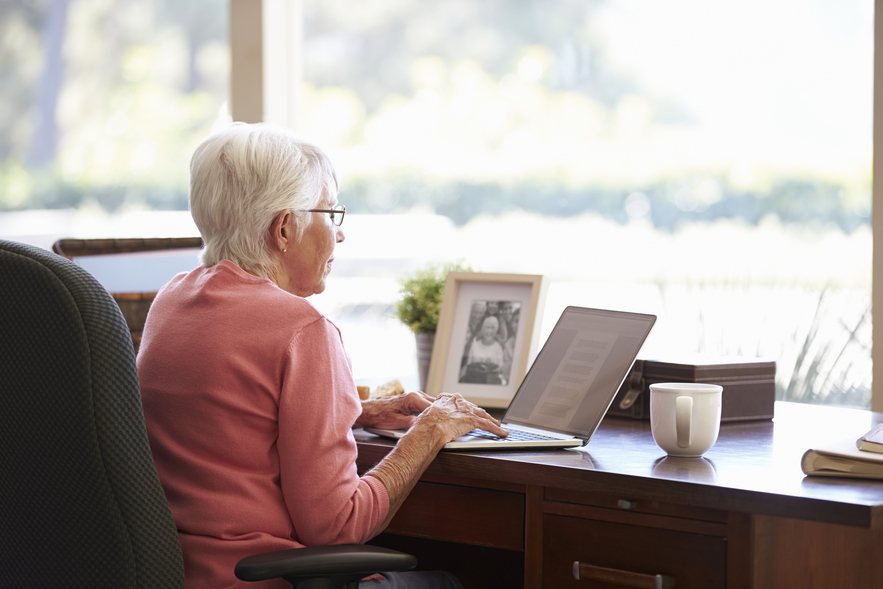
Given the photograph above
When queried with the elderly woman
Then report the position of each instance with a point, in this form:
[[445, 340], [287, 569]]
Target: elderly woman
[[248, 394], [485, 358]]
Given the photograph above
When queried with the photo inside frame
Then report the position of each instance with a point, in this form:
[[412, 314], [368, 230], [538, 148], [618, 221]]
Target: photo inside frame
[[486, 343], [490, 342]]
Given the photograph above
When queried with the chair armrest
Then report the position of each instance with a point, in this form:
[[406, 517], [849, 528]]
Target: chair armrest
[[342, 560]]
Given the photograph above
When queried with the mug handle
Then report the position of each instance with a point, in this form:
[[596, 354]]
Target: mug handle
[[683, 420]]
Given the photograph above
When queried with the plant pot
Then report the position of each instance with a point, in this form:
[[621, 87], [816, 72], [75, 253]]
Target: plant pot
[[425, 342]]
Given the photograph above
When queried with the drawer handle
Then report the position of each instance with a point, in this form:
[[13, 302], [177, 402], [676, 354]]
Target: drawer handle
[[622, 578]]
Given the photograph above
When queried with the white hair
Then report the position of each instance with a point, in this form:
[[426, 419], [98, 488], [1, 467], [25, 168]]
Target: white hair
[[241, 178], [488, 318]]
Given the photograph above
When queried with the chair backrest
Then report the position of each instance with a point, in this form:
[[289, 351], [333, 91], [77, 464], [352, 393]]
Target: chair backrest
[[80, 501]]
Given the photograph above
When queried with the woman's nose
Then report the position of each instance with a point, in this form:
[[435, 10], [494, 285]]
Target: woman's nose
[[340, 235]]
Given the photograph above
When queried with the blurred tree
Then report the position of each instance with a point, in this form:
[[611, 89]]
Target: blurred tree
[[115, 94], [102, 100], [20, 64], [45, 141], [370, 45], [203, 21]]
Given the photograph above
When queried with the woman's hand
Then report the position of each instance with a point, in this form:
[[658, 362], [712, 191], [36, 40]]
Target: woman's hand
[[394, 412], [452, 416], [447, 418]]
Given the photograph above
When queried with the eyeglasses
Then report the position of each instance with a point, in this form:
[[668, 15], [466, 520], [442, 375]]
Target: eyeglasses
[[335, 213]]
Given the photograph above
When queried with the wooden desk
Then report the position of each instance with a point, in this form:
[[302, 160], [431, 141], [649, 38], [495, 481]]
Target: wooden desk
[[742, 516]]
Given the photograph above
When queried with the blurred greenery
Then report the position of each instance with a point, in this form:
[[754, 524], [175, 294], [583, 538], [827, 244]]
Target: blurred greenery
[[793, 201], [103, 101], [832, 364], [526, 111]]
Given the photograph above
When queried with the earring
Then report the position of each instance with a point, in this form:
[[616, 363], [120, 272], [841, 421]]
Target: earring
[[284, 250]]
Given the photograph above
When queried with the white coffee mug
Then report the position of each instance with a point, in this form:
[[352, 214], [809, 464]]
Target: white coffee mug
[[685, 417]]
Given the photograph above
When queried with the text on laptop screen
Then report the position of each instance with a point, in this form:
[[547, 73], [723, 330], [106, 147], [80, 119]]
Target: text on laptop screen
[[577, 373]]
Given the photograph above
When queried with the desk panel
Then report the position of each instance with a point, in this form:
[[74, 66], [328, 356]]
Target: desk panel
[[462, 514]]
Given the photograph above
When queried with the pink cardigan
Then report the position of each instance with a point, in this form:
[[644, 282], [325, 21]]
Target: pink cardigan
[[249, 400]]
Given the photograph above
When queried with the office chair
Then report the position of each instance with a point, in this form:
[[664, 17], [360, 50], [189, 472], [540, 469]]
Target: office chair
[[80, 500]]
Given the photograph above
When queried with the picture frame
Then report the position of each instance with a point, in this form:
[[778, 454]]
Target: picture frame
[[484, 359]]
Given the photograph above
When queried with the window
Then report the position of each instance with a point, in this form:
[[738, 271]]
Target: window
[[708, 162], [103, 102]]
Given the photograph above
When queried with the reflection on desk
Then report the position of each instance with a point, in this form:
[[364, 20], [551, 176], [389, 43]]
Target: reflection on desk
[[694, 470]]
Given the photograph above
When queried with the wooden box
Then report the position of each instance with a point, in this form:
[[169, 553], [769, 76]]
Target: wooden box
[[749, 385]]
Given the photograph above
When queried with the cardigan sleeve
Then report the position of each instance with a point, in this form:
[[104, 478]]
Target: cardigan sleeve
[[327, 500]]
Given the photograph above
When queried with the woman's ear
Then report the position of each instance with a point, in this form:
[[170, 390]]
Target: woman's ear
[[282, 231]]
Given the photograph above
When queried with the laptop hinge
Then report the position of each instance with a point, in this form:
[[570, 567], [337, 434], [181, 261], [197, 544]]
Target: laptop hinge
[[585, 441]]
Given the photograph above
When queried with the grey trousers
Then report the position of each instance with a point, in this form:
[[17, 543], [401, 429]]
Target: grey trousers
[[414, 580]]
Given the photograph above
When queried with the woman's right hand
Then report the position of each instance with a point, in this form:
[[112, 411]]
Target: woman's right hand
[[452, 416], [449, 417]]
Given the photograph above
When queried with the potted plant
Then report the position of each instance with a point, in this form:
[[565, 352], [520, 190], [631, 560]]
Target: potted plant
[[419, 306]]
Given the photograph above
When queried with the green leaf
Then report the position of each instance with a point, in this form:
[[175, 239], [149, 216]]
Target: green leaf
[[421, 295]]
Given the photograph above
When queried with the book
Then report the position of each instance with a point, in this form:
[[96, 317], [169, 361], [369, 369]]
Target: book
[[872, 441], [842, 459]]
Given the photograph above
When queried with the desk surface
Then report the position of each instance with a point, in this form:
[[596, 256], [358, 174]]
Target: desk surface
[[754, 466]]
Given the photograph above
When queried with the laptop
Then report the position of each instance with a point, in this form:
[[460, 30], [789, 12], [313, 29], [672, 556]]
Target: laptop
[[570, 385]]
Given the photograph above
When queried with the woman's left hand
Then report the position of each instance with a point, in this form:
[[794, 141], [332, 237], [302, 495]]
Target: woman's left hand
[[394, 412]]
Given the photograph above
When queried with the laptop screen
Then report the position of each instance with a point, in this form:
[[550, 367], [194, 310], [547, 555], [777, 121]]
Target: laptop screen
[[579, 370]]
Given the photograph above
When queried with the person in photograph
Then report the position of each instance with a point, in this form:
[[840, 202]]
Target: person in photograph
[[505, 315], [248, 393], [476, 317], [484, 361], [506, 335], [493, 308]]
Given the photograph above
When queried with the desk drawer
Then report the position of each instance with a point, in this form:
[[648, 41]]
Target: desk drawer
[[694, 560], [486, 517], [634, 505]]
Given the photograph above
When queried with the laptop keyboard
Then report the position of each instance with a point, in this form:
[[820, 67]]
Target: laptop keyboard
[[514, 435]]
